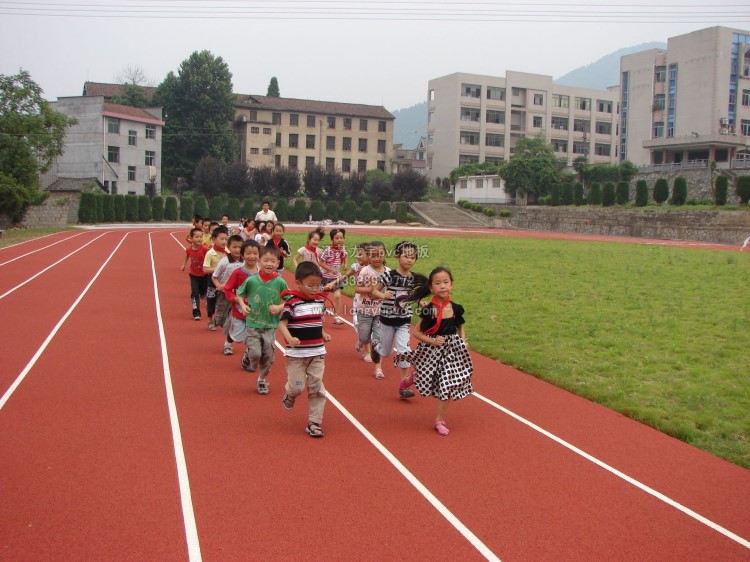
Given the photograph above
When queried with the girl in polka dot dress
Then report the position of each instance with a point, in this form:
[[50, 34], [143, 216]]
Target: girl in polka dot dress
[[441, 361]]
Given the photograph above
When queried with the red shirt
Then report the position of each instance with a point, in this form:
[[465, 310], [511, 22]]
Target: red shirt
[[196, 260], [235, 281]]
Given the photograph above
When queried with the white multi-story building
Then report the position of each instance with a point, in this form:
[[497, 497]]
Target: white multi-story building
[[118, 145], [475, 118], [688, 103]]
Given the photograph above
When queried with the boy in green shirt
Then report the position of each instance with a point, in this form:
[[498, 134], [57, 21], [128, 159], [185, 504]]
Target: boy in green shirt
[[263, 310]]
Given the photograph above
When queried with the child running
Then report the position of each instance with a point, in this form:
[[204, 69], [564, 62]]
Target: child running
[[280, 244], [393, 288], [302, 327], [195, 254], [332, 261], [442, 363], [262, 309], [310, 251], [221, 275], [234, 327], [214, 255], [367, 308]]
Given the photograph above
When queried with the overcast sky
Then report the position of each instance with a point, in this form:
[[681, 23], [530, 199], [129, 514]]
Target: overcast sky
[[380, 53]]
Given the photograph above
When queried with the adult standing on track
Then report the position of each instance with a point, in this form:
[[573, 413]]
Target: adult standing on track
[[266, 214]]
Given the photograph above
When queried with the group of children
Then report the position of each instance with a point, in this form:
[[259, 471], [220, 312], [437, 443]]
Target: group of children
[[247, 296]]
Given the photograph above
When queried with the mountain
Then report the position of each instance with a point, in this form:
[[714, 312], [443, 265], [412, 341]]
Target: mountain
[[411, 123], [605, 72]]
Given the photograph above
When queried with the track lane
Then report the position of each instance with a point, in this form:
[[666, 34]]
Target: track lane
[[87, 469]]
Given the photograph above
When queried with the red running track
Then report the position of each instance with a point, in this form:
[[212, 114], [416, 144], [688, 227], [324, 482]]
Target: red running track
[[125, 434]]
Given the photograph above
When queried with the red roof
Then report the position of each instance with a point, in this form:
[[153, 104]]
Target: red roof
[[312, 106], [131, 113]]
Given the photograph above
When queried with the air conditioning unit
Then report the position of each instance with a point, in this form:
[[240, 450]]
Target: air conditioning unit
[[724, 122]]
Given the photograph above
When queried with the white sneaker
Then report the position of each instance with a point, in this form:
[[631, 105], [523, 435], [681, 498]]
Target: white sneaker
[[228, 348]]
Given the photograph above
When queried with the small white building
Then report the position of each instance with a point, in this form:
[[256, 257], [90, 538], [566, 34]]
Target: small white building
[[482, 189]]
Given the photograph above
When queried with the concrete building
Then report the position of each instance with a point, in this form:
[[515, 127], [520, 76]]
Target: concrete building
[[689, 103], [482, 189], [118, 145], [475, 118], [410, 158], [300, 133]]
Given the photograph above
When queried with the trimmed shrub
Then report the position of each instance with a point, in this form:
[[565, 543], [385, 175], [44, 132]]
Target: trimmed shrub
[[504, 213], [170, 208], [554, 195], [248, 209], [742, 189], [366, 213], [281, 209], [661, 191], [384, 211], [157, 208], [595, 194], [578, 199], [109, 208], [489, 212], [144, 208], [317, 210], [622, 193], [679, 191], [349, 211], [187, 208], [119, 208], [608, 194], [100, 207], [216, 208], [131, 208], [333, 210], [721, 190], [233, 209], [641, 193], [566, 194], [87, 208], [543, 200], [201, 207], [402, 210], [299, 210]]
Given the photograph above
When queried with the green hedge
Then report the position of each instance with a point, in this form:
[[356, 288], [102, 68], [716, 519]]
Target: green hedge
[[131, 208], [109, 208], [170, 208], [144, 208], [608, 194], [157, 208], [595, 194], [721, 190], [679, 191], [187, 208], [87, 208], [622, 193], [119, 208], [661, 191], [641, 193]]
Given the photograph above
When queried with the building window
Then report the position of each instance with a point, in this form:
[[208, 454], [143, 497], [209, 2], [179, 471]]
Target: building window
[[602, 149], [381, 165], [582, 125], [253, 115], [462, 184], [471, 90], [745, 127], [266, 152], [381, 147], [150, 131], [604, 106], [293, 140], [330, 143], [113, 125], [430, 117], [309, 162], [469, 114], [292, 162], [536, 121], [746, 97], [495, 93], [311, 120], [310, 141], [347, 144], [660, 102], [363, 145], [362, 166], [363, 124], [266, 130], [277, 160], [294, 119], [494, 116], [132, 138], [660, 73], [331, 122], [493, 159], [467, 159], [254, 151], [254, 130], [346, 165], [580, 147], [275, 118], [150, 159], [658, 129], [278, 139], [559, 145], [538, 99], [560, 100], [560, 123], [515, 92], [493, 139], [381, 126], [479, 183], [347, 123], [497, 182], [603, 128], [469, 137], [113, 154], [431, 95], [330, 164], [583, 104], [131, 173]]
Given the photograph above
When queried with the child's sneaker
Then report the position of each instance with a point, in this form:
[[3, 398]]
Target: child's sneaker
[[379, 374], [247, 364], [287, 402], [405, 393], [211, 325], [196, 317], [228, 348], [262, 386]]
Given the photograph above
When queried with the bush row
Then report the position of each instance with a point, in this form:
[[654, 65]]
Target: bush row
[[477, 207]]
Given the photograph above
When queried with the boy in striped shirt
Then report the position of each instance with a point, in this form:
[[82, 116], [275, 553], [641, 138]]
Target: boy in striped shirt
[[302, 327]]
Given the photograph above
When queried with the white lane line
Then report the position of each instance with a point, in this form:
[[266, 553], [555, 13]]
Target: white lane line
[[175, 239], [29, 240], [51, 266], [48, 340], [406, 473], [658, 495], [39, 250], [188, 514]]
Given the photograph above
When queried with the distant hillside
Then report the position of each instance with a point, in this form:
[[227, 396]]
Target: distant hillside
[[411, 123], [605, 72]]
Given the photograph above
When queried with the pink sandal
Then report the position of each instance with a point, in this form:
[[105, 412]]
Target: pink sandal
[[440, 427]]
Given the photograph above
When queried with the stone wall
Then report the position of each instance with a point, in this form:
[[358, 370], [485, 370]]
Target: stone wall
[[57, 211], [699, 181], [721, 227]]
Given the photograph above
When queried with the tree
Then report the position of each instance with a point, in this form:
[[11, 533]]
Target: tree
[[721, 188], [333, 184], [608, 194], [263, 181], [533, 169], [317, 210], [742, 189], [109, 208], [595, 194], [133, 95], [578, 194], [187, 208], [333, 210], [216, 208], [170, 208], [409, 185], [286, 182], [281, 209], [31, 136], [679, 191], [384, 210], [233, 208], [661, 191], [641, 193], [622, 196], [555, 197], [131, 208], [201, 207], [353, 188], [365, 212], [299, 210], [580, 163], [209, 176], [313, 181], [350, 211], [566, 197], [87, 208], [628, 170], [237, 179], [378, 186], [119, 207], [273, 88], [199, 107], [144, 208]]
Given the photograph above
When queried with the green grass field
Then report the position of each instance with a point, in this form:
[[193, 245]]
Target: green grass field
[[17, 235], [659, 334]]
